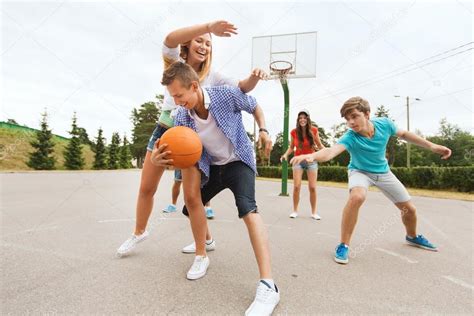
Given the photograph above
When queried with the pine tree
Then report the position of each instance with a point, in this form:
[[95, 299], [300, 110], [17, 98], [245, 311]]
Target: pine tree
[[144, 121], [100, 151], [73, 159], [41, 158], [125, 160], [114, 152]]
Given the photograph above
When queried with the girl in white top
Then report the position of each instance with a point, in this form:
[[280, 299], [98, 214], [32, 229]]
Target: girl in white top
[[192, 45]]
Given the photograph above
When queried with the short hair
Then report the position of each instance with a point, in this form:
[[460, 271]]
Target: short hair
[[355, 103], [181, 72]]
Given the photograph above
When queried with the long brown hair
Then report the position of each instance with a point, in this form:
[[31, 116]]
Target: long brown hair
[[205, 66], [308, 129]]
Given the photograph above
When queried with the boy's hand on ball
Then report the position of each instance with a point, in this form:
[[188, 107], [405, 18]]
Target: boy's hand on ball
[[158, 156]]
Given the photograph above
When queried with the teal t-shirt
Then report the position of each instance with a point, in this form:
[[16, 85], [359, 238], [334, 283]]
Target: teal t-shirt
[[368, 154]]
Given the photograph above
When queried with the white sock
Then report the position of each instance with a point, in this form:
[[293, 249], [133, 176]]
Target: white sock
[[208, 241]]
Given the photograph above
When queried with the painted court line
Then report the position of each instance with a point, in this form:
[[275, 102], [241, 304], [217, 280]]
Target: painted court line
[[396, 255], [458, 282]]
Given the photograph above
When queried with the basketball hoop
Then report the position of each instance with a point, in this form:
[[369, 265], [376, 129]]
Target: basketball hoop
[[280, 68]]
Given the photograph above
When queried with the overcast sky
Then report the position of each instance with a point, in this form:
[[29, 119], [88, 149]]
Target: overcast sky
[[103, 58]]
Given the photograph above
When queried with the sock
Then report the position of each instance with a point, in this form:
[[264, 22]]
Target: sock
[[269, 282], [209, 241]]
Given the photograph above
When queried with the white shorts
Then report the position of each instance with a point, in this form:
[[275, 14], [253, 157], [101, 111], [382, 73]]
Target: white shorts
[[386, 182]]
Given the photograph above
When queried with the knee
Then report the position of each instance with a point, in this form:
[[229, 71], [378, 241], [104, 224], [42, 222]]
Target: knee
[[409, 210], [357, 198], [312, 189], [192, 203], [297, 188], [147, 190]]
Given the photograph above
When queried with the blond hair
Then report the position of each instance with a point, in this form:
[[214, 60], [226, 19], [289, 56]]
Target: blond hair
[[184, 51], [355, 103]]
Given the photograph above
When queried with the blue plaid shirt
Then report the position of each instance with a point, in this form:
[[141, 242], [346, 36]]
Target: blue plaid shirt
[[226, 106]]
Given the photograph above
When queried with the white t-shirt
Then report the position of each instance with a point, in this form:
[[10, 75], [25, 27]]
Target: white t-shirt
[[213, 78], [218, 146]]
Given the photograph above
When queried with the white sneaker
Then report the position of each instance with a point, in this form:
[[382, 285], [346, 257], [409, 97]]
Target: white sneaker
[[293, 215], [131, 243], [265, 301], [199, 268], [316, 217], [192, 247]]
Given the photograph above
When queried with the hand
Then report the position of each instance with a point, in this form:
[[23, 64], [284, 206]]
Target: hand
[[158, 156], [222, 28], [265, 142], [444, 152], [259, 73], [299, 159], [283, 158]]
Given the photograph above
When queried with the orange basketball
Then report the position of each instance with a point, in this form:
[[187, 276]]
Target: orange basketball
[[184, 144]]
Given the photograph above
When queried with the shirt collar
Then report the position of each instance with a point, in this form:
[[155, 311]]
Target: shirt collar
[[207, 101]]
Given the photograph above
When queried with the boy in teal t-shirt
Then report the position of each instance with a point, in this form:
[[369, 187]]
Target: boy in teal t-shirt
[[366, 141]]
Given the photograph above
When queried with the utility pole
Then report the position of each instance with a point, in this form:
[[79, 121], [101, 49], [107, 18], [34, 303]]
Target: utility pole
[[408, 127]]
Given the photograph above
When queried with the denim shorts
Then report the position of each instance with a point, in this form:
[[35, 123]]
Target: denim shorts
[[236, 176], [390, 186], [157, 132], [308, 166], [177, 175]]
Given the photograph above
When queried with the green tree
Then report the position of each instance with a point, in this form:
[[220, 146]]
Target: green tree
[[125, 160], [100, 152], [336, 132], [114, 152], [41, 158], [73, 159], [277, 150], [144, 121], [83, 136]]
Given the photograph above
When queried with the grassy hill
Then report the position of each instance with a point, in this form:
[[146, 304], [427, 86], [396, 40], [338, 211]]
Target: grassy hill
[[15, 147]]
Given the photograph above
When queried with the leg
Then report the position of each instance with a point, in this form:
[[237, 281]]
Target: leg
[[194, 205], [312, 180], [150, 178], [259, 239], [408, 213], [297, 176], [175, 192], [351, 212]]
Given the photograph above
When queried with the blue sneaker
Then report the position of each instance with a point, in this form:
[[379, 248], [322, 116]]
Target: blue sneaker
[[421, 242], [170, 209], [209, 213], [342, 253]]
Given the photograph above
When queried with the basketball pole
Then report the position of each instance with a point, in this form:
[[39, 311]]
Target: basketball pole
[[286, 117]]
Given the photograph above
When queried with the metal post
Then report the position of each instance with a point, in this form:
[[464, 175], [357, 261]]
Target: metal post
[[408, 129], [286, 117]]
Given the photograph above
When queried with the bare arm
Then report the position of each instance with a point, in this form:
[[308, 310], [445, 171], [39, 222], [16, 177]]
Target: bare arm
[[263, 137], [410, 137], [185, 34], [289, 151], [323, 155], [249, 83], [317, 140]]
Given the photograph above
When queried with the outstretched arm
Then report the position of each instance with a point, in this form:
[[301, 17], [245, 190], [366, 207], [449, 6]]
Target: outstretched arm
[[263, 136], [248, 84], [410, 137], [323, 155], [185, 34]]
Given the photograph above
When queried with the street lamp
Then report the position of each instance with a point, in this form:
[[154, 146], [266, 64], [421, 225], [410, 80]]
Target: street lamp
[[408, 126]]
